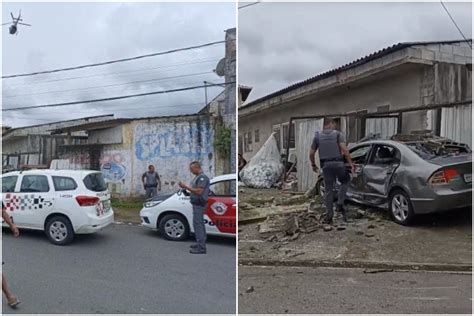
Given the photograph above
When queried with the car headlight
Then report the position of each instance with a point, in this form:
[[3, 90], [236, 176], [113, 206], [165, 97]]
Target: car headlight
[[151, 203]]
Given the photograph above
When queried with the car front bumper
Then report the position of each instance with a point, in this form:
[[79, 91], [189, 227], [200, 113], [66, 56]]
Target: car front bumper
[[442, 201], [147, 219], [96, 224]]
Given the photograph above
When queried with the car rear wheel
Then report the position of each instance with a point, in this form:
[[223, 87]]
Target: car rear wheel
[[174, 227], [59, 230], [400, 208]]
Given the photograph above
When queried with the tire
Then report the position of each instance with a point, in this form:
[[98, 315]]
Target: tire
[[174, 227], [59, 230], [400, 207]]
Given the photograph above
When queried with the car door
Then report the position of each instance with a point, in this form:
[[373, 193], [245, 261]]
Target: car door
[[9, 184], [357, 185], [381, 165], [221, 207], [34, 201]]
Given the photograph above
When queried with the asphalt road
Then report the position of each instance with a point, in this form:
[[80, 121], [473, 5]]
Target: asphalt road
[[330, 290], [123, 269]]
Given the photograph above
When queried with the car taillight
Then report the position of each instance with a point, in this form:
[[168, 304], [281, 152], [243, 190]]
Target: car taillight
[[443, 176], [87, 200]]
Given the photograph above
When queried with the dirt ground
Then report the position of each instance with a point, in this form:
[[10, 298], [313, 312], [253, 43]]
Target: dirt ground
[[127, 211], [439, 241]]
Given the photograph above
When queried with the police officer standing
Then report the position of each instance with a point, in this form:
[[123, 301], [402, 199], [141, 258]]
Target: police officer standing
[[199, 190], [151, 182], [332, 151]]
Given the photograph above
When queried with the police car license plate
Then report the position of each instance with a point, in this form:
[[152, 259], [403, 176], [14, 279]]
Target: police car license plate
[[468, 177], [106, 205]]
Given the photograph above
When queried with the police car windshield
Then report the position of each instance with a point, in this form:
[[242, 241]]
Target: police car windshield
[[95, 182]]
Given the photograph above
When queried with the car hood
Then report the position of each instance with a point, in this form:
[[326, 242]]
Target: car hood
[[161, 197]]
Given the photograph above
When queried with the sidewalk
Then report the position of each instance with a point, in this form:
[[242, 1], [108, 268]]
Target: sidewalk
[[436, 242]]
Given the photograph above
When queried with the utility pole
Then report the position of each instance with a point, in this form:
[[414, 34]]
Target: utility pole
[[205, 92]]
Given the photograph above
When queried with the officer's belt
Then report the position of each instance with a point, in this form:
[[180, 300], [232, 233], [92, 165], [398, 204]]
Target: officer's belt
[[331, 159]]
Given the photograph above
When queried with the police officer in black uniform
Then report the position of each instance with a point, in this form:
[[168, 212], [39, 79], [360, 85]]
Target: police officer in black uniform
[[199, 190], [331, 144]]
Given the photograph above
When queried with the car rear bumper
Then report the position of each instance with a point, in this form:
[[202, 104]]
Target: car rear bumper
[[444, 201], [95, 224]]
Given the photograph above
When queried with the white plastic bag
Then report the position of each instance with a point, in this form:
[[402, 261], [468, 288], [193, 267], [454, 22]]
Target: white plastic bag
[[265, 168]]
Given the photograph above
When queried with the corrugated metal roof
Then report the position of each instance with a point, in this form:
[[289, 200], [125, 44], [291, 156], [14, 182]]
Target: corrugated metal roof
[[90, 126], [355, 63]]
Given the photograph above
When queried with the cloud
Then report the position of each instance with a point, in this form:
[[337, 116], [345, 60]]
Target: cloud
[[70, 34]]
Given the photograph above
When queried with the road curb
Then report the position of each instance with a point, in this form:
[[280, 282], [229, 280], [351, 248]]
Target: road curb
[[412, 266]]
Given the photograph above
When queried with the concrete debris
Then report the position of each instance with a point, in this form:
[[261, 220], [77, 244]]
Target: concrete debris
[[369, 235], [359, 232], [371, 226], [295, 254], [341, 227], [327, 228], [359, 214], [245, 206], [250, 289]]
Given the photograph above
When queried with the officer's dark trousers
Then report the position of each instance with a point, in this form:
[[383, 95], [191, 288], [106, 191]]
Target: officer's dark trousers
[[198, 225], [332, 171]]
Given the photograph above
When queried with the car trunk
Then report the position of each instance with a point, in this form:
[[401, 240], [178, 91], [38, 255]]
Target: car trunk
[[462, 164]]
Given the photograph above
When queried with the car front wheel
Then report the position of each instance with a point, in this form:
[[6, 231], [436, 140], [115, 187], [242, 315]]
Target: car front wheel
[[59, 230], [174, 227], [400, 208]]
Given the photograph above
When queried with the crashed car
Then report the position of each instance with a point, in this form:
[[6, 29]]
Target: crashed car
[[410, 176]]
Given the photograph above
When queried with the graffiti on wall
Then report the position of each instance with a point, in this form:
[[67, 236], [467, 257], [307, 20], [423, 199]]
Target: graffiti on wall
[[170, 146], [113, 167], [188, 139]]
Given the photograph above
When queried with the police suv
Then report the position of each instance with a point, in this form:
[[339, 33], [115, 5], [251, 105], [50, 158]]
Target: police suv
[[62, 203], [172, 215]]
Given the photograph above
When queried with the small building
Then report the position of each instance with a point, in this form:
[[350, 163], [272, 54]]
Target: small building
[[400, 77], [35, 146]]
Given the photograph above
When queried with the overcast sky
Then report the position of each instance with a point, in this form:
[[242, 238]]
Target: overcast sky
[[283, 43], [72, 34]]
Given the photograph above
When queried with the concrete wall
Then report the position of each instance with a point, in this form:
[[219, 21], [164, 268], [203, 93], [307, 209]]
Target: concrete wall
[[397, 88]]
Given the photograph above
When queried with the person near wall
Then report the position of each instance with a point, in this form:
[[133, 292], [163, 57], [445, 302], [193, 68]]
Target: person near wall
[[333, 151], [11, 298], [151, 182], [199, 190]]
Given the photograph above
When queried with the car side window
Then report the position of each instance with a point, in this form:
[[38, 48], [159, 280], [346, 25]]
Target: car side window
[[34, 183], [9, 184], [384, 155], [223, 188], [359, 154], [64, 184]]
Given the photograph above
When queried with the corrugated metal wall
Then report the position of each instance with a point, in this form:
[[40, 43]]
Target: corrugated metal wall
[[456, 123], [305, 130], [385, 126]]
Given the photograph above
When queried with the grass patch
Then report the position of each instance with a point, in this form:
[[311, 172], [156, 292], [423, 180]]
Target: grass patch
[[134, 203], [127, 210]]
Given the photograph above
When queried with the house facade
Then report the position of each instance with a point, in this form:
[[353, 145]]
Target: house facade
[[403, 76]]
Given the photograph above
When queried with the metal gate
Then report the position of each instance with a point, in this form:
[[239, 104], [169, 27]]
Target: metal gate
[[305, 130], [456, 123]]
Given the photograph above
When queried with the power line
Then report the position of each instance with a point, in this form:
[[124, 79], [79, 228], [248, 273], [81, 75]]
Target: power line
[[147, 106], [248, 5], [112, 85], [112, 98], [115, 61], [198, 61], [455, 24]]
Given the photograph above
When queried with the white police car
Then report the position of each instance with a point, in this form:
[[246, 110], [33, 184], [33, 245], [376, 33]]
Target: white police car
[[60, 202], [172, 215]]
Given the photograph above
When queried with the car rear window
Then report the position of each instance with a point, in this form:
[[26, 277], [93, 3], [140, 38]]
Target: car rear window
[[64, 184], [95, 182]]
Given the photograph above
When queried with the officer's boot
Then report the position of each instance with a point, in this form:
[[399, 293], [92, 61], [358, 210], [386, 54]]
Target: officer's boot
[[340, 208]]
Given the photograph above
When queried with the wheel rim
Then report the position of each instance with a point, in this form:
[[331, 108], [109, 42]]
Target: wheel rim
[[174, 228], [58, 231], [400, 207]]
